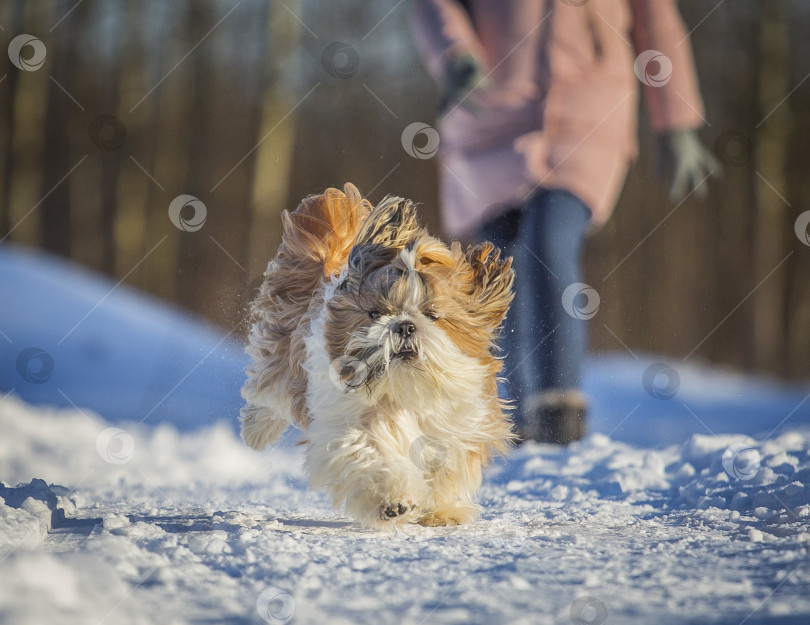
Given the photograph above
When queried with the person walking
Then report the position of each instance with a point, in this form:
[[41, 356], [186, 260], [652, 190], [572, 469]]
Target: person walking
[[538, 123]]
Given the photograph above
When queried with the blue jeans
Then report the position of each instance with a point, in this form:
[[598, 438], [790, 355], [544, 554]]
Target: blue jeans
[[543, 346]]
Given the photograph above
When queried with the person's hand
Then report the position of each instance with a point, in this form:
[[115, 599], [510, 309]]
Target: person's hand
[[462, 75], [691, 163]]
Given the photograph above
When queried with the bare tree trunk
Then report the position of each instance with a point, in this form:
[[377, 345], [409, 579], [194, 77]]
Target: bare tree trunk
[[796, 362], [14, 22], [56, 232], [274, 156], [768, 336], [110, 143], [147, 156]]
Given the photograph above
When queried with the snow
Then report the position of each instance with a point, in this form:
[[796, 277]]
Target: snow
[[111, 349], [688, 509], [195, 527]]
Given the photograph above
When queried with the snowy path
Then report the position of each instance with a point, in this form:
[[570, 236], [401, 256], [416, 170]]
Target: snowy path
[[195, 528]]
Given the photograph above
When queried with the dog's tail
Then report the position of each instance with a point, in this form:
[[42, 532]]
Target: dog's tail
[[317, 239]]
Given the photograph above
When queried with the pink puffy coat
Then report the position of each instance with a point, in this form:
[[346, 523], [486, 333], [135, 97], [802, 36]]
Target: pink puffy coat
[[559, 107]]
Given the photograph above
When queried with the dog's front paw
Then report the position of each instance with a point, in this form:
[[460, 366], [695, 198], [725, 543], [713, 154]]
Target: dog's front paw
[[389, 511], [458, 513]]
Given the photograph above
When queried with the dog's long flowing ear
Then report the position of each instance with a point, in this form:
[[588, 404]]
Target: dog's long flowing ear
[[323, 227], [387, 230], [493, 278]]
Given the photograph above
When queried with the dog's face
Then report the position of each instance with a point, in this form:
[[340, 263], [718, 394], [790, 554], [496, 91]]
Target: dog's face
[[409, 309]]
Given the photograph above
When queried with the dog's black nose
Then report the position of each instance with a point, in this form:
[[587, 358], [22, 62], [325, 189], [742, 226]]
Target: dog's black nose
[[405, 329]]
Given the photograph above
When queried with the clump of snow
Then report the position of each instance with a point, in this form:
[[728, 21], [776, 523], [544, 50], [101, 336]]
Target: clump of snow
[[80, 449]]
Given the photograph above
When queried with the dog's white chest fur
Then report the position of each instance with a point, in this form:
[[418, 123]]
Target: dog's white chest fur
[[376, 454]]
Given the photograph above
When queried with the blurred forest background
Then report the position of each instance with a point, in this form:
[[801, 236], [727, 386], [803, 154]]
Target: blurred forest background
[[251, 105]]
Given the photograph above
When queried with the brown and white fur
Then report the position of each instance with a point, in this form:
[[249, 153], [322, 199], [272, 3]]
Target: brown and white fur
[[378, 340]]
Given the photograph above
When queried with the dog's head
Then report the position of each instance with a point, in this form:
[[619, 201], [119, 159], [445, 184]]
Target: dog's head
[[410, 312]]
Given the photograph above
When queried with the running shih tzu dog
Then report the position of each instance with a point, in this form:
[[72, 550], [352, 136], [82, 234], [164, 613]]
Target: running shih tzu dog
[[378, 341]]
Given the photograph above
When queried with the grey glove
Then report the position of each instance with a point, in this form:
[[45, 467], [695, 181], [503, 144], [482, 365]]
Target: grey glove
[[461, 75], [691, 162]]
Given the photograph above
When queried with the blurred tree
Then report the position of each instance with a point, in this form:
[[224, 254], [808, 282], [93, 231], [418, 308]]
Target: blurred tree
[[249, 106], [229, 82], [8, 96]]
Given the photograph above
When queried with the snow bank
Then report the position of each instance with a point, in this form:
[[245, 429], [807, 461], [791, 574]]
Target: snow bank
[[79, 449], [71, 338]]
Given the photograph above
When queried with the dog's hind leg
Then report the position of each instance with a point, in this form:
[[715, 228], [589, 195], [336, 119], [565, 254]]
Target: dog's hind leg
[[261, 426], [266, 413]]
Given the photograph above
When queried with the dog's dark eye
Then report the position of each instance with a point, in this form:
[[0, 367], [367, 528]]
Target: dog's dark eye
[[374, 314], [431, 315]]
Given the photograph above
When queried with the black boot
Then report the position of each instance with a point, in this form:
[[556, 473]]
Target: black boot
[[556, 417]]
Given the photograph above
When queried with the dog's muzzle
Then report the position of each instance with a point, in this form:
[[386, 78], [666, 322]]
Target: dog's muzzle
[[405, 331]]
